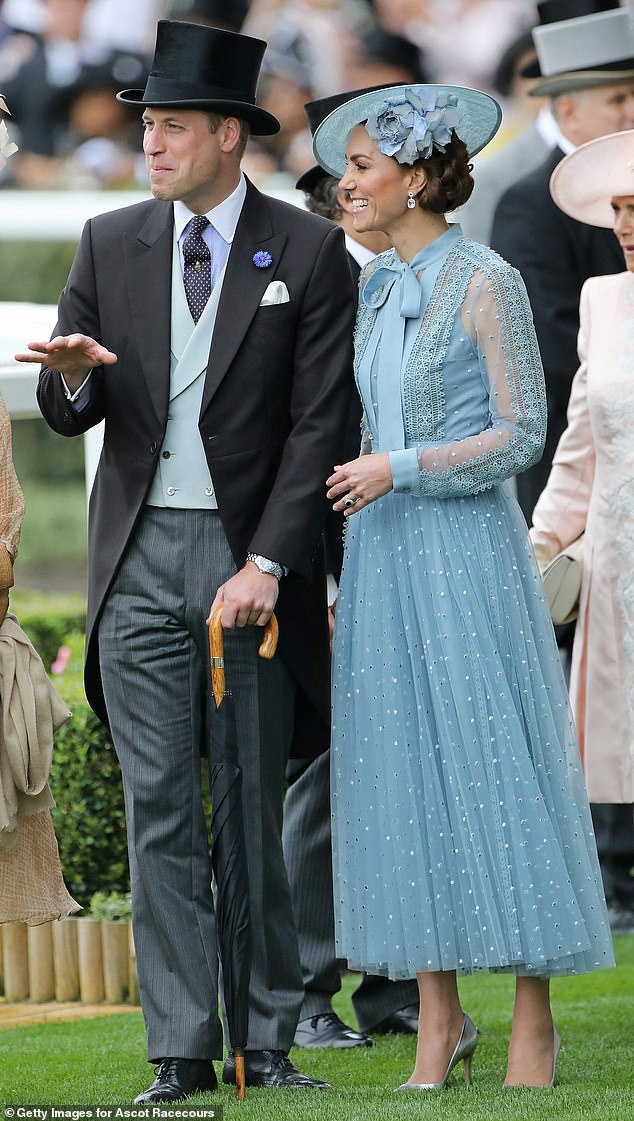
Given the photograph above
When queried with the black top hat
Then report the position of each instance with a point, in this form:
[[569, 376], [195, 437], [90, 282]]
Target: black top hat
[[196, 67], [316, 112], [554, 11]]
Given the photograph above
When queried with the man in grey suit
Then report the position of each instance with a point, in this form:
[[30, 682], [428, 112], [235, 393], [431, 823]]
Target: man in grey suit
[[211, 329], [587, 68]]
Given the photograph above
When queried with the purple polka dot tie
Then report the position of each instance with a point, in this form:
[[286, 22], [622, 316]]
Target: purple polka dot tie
[[197, 269]]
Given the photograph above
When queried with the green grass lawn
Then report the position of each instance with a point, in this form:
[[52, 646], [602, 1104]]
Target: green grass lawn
[[101, 1062]]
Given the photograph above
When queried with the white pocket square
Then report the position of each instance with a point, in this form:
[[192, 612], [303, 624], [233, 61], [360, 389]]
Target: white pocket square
[[276, 293]]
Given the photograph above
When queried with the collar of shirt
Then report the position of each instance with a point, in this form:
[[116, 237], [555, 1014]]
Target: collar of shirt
[[358, 251], [220, 232], [550, 132]]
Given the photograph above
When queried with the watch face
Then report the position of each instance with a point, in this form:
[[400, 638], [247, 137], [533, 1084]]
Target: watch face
[[267, 567]]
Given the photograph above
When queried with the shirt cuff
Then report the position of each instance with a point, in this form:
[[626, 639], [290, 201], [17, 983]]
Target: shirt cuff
[[405, 470], [76, 398]]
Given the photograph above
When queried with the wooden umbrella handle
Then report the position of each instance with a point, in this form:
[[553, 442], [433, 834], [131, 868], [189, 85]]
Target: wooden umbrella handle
[[267, 649], [268, 645], [216, 656]]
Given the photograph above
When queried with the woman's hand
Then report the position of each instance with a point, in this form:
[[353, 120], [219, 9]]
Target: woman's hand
[[358, 483]]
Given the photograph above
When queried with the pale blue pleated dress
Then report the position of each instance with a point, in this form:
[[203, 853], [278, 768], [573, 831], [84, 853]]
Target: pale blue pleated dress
[[462, 836]]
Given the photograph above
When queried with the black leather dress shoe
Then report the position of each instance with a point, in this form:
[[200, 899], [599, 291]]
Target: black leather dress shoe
[[177, 1079], [270, 1069], [327, 1030], [402, 1022]]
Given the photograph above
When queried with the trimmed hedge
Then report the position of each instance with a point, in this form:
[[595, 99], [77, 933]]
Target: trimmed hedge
[[85, 781], [35, 271], [49, 620]]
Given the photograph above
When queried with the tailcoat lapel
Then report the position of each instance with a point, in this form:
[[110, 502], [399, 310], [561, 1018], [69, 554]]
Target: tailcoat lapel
[[149, 268], [244, 286]]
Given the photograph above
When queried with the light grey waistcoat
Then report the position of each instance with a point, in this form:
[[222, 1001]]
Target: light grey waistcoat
[[182, 476]]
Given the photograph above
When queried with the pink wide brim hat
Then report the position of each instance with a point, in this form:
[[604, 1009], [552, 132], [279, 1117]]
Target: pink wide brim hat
[[585, 182]]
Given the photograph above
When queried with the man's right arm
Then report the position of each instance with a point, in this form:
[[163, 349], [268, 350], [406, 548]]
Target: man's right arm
[[74, 351]]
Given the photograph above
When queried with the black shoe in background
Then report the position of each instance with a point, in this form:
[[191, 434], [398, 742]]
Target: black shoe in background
[[327, 1030]]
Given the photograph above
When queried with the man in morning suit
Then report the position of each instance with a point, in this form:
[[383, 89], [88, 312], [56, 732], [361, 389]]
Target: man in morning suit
[[588, 71], [380, 1005], [588, 68], [211, 328]]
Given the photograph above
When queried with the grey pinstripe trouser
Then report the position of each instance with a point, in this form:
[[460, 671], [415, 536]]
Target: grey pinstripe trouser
[[155, 665]]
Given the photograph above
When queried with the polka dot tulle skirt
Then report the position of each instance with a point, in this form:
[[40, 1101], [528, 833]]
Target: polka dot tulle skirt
[[462, 836]]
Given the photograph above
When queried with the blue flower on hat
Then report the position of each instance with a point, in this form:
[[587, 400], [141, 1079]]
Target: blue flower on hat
[[262, 259], [410, 125]]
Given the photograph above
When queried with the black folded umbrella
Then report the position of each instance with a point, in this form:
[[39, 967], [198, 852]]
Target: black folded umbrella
[[228, 850]]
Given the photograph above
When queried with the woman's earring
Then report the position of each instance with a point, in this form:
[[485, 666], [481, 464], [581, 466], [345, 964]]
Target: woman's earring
[[411, 202]]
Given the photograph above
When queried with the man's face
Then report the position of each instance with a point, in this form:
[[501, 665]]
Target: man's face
[[184, 159], [597, 112]]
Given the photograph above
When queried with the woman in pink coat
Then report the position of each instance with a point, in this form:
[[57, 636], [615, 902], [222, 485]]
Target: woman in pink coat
[[591, 484]]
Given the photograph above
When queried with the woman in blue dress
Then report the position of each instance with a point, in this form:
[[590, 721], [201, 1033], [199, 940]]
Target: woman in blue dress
[[462, 836]]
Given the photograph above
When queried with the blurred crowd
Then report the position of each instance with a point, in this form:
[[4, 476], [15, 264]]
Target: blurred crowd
[[62, 61]]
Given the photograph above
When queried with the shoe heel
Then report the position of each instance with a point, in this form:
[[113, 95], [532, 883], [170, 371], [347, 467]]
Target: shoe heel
[[467, 1069], [556, 1049]]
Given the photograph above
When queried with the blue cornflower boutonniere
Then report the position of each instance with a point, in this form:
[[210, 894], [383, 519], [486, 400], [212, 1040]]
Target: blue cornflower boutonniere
[[262, 259]]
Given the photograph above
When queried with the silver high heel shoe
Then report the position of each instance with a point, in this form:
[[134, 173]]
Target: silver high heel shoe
[[466, 1045], [545, 1085]]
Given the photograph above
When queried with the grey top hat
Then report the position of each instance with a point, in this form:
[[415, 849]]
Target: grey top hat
[[197, 67], [554, 11], [591, 50]]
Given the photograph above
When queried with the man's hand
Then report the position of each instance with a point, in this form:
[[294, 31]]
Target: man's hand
[[249, 597], [71, 355], [360, 482], [4, 603]]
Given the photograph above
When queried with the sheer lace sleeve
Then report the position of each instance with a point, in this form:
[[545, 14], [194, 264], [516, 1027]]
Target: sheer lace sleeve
[[497, 316], [11, 501]]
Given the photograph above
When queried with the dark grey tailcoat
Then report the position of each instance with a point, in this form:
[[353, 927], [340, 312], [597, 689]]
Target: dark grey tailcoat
[[273, 413]]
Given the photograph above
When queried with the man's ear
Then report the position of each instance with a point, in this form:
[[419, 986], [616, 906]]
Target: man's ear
[[230, 136]]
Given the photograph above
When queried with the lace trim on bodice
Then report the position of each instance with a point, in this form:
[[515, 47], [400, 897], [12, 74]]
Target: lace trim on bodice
[[621, 499], [477, 285]]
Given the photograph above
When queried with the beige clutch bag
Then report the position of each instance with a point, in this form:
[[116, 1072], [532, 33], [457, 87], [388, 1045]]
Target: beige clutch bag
[[562, 582]]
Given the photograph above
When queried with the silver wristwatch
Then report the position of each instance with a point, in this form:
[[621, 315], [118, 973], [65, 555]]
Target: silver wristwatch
[[266, 566]]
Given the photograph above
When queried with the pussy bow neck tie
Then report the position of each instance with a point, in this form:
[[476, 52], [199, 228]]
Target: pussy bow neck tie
[[396, 285], [408, 291]]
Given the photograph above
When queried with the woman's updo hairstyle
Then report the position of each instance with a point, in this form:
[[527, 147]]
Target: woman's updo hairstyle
[[449, 180]]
